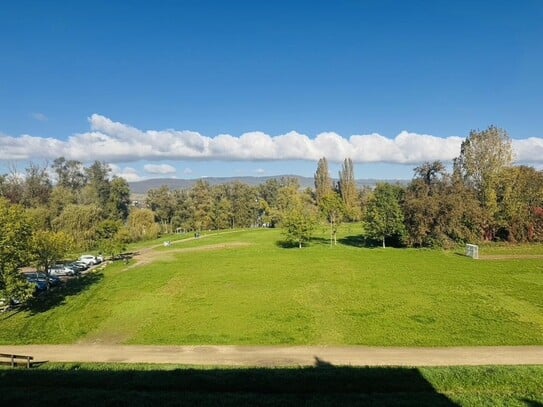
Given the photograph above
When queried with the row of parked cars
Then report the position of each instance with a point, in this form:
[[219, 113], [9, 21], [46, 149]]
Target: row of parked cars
[[60, 270], [39, 279], [77, 267]]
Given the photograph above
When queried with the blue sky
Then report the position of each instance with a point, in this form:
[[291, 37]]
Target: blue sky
[[151, 87]]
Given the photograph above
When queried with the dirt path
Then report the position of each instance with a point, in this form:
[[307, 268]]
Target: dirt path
[[149, 254], [257, 356]]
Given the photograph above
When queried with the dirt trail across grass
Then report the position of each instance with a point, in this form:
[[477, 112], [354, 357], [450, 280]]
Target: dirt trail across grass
[[275, 356], [149, 254]]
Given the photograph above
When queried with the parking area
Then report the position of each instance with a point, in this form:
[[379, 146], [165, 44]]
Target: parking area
[[61, 273]]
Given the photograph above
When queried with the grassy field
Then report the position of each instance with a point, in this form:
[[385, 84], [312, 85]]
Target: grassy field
[[244, 288], [151, 385]]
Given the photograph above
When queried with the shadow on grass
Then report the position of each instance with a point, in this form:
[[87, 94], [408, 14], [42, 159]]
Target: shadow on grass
[[323, 384], [357, 241], [57, 296], [284, 244], [532, 403], [354, 240]]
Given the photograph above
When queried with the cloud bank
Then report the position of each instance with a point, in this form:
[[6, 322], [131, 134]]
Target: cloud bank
[[159, 169], [116, 142]]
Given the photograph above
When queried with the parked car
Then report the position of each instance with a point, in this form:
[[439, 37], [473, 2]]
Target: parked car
[[84, 266], [61, 270], [41, 285], [41, 278], [78, 267], [89, 259]]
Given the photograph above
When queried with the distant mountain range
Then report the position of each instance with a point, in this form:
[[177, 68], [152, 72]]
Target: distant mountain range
[[141, 187]]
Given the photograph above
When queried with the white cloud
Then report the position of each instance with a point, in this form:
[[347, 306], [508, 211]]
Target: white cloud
[[529, 150], [128, 173], [159, 169], [260, 171], [39, 117], [187, 171], [117, 142]]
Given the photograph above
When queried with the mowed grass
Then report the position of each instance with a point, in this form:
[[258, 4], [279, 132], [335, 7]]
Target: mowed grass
[[148, 385], [243, 287]]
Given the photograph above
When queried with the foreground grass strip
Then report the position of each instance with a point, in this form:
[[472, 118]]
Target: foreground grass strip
[[140, 385]]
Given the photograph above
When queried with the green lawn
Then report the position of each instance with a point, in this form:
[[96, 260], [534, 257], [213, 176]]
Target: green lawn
[[244, 288], [151, 385]]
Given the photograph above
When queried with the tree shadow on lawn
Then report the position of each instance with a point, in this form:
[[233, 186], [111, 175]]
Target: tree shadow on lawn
[[354, 240], [361, 241], [284, 244], [314, 241], [532, 403], [323, 384], [57, 295]]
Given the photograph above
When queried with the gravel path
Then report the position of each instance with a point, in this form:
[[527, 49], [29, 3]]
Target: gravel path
[[256, 356]]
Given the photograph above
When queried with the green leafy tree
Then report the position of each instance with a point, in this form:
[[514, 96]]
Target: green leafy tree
[[98, 184], [333, 209], [183, 210], [118, 205], [15, 235], [519, 193], [47, 248], [37, 186], [142, 226], [484, 155], [162, 202], [384, 216], [107, 235], [347, 190], [323, 182], [298, 225], [60, 198], [245, 208], [70, 174], [269, 191], [116, 245], [202, 202], [80, 222], [439, 211], [40, 217], [12, 186], [289, 198], [222, 216]]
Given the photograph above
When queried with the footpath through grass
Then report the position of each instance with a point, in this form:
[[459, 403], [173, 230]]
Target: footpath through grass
[[244, 288], [151, 385]]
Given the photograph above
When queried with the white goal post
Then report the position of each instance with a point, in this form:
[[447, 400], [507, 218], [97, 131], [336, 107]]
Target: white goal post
[[472, 250]]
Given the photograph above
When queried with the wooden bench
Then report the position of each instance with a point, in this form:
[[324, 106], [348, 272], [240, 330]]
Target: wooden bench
[[14, 360]]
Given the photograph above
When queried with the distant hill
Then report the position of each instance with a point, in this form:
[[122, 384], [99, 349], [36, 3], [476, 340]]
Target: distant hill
[[141, 187]]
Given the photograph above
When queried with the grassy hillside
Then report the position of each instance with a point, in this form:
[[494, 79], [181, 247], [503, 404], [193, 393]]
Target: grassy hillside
[[244, 288]]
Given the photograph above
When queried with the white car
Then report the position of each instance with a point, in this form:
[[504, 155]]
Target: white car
[[89, 259], [60, 270]]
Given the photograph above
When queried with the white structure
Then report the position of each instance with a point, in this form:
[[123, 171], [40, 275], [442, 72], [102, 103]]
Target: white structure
[[472, 250]]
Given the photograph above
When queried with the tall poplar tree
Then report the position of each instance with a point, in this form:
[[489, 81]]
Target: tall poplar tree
[[323, 182], [347, 189]]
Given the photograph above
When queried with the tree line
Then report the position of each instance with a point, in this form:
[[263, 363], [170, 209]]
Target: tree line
[[482, 197]]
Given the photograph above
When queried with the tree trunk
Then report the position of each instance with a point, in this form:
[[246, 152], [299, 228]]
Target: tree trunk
[[383, 242]]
